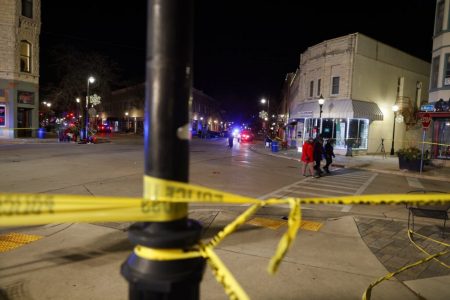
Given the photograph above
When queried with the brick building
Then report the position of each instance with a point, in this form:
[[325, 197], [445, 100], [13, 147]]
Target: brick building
[[19, 67]]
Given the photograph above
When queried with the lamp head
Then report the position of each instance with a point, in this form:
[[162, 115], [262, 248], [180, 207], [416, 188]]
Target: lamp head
[[395, 108], [321, 100], [91, 79], [263, 100]]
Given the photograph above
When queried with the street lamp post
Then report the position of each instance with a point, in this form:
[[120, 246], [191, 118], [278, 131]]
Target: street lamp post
[[394, 109], [86, 121], [126, 116], [263, 101], [321, 102]]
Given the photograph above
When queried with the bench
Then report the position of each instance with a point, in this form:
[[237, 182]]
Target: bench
[[439, 212]]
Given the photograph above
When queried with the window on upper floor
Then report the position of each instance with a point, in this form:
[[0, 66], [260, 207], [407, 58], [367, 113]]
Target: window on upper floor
[[335, 85], [27, 8], [318, 87], [438, 26], [434, 72], [447, 70], [311, 88], [25, 57]]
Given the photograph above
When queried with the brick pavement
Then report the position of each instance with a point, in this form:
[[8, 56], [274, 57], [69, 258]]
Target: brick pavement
[[388, 240]]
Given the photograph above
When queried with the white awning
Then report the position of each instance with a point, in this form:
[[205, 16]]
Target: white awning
[[338, 109]]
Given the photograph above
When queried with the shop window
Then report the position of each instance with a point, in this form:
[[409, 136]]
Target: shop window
[[318, 87], [438, 27], [441, 138], [335, 85], [434, 72], [27, 8], [25, 57], [447, 70], [358, 131], [311, 88], [2, 115]]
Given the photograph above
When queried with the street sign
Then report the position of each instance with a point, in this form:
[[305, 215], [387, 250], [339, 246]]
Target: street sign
[[427, 107], [426, 120]]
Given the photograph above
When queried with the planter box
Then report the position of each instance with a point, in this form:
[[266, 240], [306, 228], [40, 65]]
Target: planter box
[[412, 165]]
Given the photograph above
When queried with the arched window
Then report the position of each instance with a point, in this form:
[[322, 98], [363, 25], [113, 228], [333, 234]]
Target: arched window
[[25, 57], [27, 8]]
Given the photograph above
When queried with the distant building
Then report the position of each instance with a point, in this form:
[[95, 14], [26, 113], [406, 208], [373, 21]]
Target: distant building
[[360, 79], [439, 94], [19, 67], [125, 109]]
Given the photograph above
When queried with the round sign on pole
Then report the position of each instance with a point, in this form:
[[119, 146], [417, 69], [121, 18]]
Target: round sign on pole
[[426, 120]]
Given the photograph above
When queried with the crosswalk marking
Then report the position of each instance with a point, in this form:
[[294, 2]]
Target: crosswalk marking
[[414, 182], [341, 182]]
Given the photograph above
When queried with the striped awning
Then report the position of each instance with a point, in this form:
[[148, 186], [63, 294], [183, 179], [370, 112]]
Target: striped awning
[[338, 109]]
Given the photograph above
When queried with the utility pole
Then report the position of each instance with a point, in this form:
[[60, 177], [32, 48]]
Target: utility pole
[[166, 136]]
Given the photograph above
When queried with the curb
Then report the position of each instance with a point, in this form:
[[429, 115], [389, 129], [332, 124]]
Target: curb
[[340, 165]]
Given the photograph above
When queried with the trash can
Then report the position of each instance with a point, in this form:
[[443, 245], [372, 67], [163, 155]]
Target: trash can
[[41, 133], [275, 146]]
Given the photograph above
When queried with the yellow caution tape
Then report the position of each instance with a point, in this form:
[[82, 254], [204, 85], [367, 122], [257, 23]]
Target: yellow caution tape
[[232, 288], [165, 254], [294, 222], [435, 144], [166, 200], [367, 293], [411, 233]]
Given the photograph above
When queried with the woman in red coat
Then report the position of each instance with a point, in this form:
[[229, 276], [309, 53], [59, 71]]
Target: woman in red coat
[[308, 157]]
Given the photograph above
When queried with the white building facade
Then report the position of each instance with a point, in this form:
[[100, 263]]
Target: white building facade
[[19, 67], [439, 94], [360, 80]]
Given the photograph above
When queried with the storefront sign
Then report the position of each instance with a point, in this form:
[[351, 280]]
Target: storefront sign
[[427, 107], [25, 97], [426, 120], [2, 115], [306, 114]]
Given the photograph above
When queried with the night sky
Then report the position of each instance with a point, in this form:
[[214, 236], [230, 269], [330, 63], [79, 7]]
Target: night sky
[[242, 49]]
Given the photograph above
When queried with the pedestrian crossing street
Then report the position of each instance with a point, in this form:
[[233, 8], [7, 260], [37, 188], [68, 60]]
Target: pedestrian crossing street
[[340, 182]]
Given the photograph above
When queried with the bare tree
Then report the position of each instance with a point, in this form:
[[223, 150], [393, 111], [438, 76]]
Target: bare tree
[[71, 69]]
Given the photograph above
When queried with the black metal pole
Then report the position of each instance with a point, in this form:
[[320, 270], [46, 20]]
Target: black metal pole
[[393, 136], [168, 90], [86, 121]]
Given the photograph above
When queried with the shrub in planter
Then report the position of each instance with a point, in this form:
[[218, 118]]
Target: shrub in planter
[[409, 158]]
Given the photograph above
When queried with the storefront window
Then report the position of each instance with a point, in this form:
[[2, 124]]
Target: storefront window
[[441, 137], [343, 131], [2, 115]]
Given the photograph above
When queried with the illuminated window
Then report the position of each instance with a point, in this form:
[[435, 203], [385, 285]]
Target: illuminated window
[[2, 115], [25, 57], [335, 85], [27, 8]]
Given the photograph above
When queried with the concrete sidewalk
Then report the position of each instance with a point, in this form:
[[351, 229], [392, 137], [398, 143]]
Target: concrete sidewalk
[[438, 170]]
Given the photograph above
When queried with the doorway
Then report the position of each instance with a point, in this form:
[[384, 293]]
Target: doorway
[[24, 121]]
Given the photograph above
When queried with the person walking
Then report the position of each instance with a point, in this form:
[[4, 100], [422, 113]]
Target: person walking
[[318, 153], [307, 157], [230, 138], [329, 154]]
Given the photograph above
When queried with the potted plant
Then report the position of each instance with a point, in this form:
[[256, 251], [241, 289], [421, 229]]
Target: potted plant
[[409, 158]]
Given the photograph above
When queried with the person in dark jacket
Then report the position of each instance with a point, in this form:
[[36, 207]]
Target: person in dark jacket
[[318, 152], [329, 154]]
